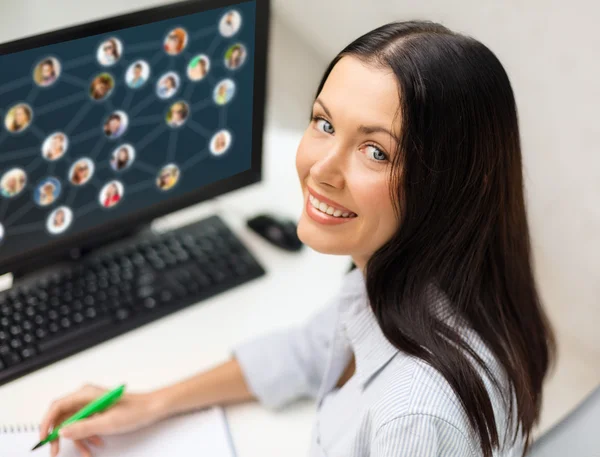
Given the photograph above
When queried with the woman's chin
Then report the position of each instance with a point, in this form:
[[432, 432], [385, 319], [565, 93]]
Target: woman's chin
[[319, 240]]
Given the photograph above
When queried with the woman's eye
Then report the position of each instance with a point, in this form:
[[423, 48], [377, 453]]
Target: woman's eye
[[322, 124], [376, 154]]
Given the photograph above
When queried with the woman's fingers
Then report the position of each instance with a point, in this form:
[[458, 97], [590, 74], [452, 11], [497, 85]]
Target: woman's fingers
[[83, 449], [96, 441]]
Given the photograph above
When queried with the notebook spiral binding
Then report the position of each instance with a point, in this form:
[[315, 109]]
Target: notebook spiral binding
[[19, 428]]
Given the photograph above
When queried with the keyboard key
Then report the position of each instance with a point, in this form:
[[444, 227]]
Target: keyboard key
[[28, 352], [79, 332], [11, 359]]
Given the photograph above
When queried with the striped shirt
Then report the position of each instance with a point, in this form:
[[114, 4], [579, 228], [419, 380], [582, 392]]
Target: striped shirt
[[393, 405]]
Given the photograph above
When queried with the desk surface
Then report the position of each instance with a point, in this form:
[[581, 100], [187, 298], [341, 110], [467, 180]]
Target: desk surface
[[202, 335]]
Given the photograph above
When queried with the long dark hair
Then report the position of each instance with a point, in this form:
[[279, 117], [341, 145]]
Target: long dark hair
[[457, 184]]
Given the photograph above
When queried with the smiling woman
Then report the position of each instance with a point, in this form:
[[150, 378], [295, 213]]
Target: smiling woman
[[437, 343]]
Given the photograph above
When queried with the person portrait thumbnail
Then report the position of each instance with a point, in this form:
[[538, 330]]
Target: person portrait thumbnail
[[81, 171], [109, 52], [168, 177], [178, 114], [115, 125], [46, 72], [55, 146], [167, 85], [224, 92], [122, 157], [220, 142], [47, 191], [102, 86], [198, 67], [13, 182], [137, 74], [175, 41], [18, 118], [230, 23], [59, 220], [235, 56], [111, 194]]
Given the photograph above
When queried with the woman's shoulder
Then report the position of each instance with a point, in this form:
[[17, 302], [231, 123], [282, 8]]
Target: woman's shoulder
[[410, 391]]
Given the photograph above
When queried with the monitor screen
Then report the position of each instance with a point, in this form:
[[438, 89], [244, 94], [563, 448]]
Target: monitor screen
[[102, 127]]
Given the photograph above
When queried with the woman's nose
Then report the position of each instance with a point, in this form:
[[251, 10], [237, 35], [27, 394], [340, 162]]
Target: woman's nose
[[329, 170]]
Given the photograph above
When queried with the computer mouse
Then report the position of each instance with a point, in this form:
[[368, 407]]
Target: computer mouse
[[277, 231]]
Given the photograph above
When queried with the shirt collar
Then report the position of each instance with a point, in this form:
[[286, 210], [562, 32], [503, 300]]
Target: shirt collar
[[372, 350]]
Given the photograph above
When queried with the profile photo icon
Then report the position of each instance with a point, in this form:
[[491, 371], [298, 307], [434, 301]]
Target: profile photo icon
[[116, 124], [59, 220], [168, 177], [178, 114], [18, 118], [220, 142], [224, 92], [235, 56], [55, 146], [167, 85], [198, 67], [46, 72], [230, 23], [109, 52], [81, 171], [137, 74], [122, 157], [13, 182], [111, 194], [47, 191], [175, 41], [102, 86]]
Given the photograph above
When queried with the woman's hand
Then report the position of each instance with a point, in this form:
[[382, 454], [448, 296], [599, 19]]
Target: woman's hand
[[132, 412]]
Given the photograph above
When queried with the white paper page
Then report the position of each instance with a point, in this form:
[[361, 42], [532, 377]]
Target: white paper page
[[199, 434]]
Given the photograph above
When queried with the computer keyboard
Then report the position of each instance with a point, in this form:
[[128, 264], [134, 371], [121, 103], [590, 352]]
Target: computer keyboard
[[105, 295]]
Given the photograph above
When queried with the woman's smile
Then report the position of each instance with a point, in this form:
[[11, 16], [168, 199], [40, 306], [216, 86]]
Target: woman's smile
[[326, 211]]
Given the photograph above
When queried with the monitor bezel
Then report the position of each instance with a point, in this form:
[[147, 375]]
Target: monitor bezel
[[26, 260]]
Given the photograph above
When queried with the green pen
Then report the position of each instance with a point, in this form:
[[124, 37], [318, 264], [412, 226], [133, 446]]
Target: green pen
[[98, 405]]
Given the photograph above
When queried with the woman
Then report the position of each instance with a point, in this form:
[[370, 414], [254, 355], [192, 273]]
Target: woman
[[48, 73], [81, 173], [112, 195], [167, 87], [110, 52], [197, 69], [57, 147], [437, 343], [121, 159], [235, 58], [168, 178], [59, 219], [47, 195], [21, 119], [101, 87], [176, 42], [177, 114]]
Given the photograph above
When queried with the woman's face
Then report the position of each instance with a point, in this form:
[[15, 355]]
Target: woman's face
[[113, 125], [344, 161], [111, 191], [177, 113], [59, 218], [123, 155], [82, 172], [48, 190], [109, 49], [101, 88], [236, 54], [21, 115], [57, 143], [172, 43], [47, 70]]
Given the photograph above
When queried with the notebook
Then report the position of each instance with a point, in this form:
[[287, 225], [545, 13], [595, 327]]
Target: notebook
[[203, 433]]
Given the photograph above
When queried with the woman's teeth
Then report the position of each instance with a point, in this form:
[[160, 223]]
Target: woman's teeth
[[330, 210]]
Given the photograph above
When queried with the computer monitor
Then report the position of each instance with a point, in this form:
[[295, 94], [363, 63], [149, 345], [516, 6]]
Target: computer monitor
[[111, 124]]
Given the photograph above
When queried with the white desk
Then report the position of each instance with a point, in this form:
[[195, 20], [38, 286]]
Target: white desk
[[201, 336]]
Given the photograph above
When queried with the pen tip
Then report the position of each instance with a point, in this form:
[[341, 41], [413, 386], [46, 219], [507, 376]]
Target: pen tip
[[37, 445]]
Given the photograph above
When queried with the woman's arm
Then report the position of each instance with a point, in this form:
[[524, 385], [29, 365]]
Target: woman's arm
[[221, 385]]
